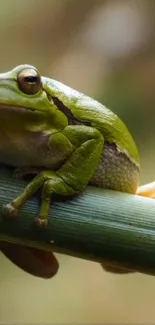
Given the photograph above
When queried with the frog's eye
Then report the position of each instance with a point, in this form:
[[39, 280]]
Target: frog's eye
[[29, 81]]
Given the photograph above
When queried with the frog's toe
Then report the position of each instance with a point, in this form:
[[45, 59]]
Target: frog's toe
[[41, 222], [10, 211]]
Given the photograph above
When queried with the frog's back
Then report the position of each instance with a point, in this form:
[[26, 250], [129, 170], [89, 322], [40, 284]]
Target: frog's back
[[89, 111], [119, 167]]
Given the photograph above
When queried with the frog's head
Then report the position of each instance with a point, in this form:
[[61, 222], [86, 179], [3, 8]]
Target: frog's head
[[23, 96]]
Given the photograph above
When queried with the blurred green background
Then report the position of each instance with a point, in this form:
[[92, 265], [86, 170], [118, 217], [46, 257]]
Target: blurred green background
[[105, 49]]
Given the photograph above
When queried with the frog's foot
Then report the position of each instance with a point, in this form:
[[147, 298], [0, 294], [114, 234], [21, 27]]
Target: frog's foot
[[147, 190], [9, 210], [42, 220], [12, 209], [51, 183], [24, 171]]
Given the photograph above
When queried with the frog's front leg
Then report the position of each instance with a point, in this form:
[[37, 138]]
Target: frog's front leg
[[70, 178]]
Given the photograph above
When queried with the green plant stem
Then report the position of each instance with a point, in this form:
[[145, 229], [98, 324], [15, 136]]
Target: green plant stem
[[98, 225]]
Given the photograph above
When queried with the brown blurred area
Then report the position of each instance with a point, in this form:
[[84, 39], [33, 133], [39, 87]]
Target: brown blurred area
[[105, 49]]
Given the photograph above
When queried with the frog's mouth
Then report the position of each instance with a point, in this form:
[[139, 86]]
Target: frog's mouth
[[11, 108]]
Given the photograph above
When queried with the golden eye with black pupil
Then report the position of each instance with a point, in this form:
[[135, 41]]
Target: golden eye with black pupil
[[29, 81]]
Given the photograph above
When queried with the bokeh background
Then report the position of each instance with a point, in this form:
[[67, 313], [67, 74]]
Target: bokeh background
[[105, 49]]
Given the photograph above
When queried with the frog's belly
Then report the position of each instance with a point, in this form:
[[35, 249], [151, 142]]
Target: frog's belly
[[116, 171], [30, 150]]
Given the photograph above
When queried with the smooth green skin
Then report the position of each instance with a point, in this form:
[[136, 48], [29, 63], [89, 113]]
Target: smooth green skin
[[36, 135]]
